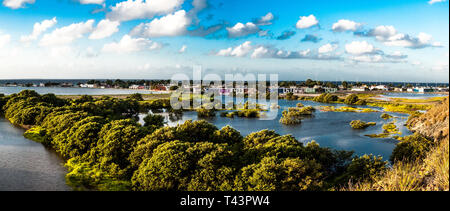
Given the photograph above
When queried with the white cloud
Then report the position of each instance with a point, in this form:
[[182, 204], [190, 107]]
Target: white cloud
[[38, 29], [327, 48], [16, 4], [242, 30], [67, 34], [128, 44], [266, 19], [307, 22], [359, 48], [142, 9], [346, 25], [435, 1], [4, 40], [365, 52], [92, 1], [383, 33], [105, 28], [170, 25], [238, 51], [389, 36], [182, 49], [262, 51]]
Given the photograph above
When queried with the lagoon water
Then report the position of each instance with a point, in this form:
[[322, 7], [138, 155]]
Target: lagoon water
[[26, 165], [329, 129], [411, 95]]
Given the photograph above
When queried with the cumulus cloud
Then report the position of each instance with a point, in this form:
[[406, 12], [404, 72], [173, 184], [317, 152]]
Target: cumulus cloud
[[265, 20], [346, 25], [142, 9], [170, 25], [249, 28], [307, 22], [242, 30], [16, 4], [261, 51], [327, 48], [435, 1], [238, 51], [286, 35], [128, 45], [38, 29], [105, 28], [311, 38], [389, 36], [359, 48], [67, 34], [365, 52], [92, 1], [4, 40]]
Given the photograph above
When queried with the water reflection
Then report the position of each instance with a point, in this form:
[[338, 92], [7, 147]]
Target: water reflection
[[26, 165]]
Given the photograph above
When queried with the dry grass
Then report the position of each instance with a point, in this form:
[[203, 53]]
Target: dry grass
[[430, 174]]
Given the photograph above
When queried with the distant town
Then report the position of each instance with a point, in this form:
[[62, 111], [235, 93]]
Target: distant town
[[295, 87]]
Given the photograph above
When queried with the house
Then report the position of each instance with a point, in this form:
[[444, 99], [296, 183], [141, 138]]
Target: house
[[360, 89], [86, 85], [422, 89], [134, 87], [397, 89], [310, 90], [330, 90], [380, 87]]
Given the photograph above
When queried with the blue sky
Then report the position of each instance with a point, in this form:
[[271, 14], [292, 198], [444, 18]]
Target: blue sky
[[377, 40]]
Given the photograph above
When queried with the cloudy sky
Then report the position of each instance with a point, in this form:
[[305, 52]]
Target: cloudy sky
[[371, 40]]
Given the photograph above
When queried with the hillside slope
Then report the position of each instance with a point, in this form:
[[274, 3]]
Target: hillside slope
[[428, 174], [434, 123]]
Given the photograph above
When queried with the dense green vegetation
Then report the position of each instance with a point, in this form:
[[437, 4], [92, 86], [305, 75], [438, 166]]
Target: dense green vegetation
[[411, 148], [326, 98], [106, 149], [358, 124], [353, 99], [203, 112], [294, 116], [346, 109]]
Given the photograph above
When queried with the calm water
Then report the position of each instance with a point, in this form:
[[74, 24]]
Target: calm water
[[329, 129], [411, 95], [26, 165], [72, 91]]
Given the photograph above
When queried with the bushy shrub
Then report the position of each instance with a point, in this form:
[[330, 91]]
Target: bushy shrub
[[351, 99], [411, 148], [326, 98], [358, 124], [205, 113], [294, 115], [154, 120]]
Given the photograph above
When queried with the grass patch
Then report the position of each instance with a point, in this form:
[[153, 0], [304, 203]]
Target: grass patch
[[358, 124], [346, 109]]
